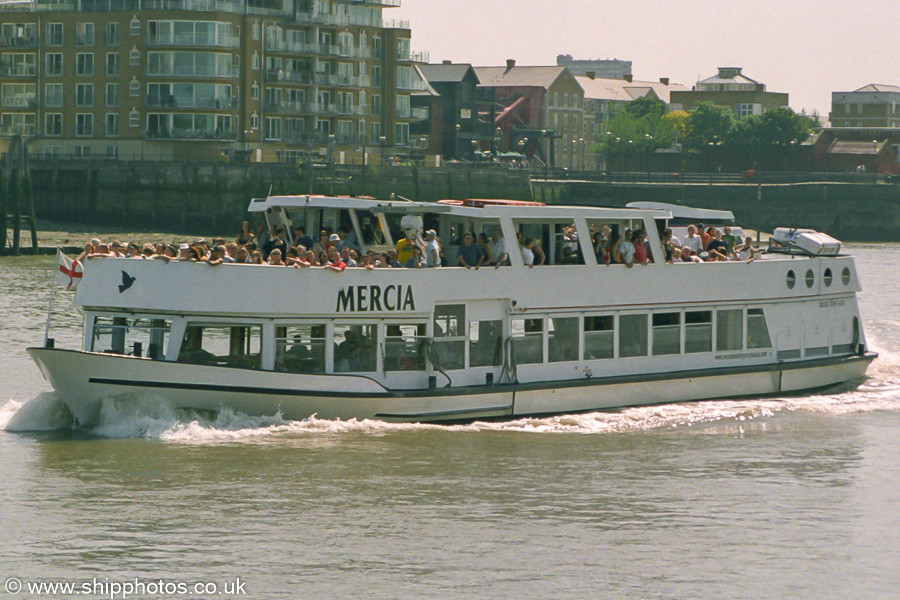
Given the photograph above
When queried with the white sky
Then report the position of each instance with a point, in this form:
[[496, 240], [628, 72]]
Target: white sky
[[806, 48]]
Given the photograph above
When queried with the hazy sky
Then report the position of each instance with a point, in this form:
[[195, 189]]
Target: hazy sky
[[806, 48]]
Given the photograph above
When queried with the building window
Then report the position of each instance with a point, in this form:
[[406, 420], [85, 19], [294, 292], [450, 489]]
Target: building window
[[52, 151], [54, 64], [254, 121], [134, 57], [112, 94], [53, 94], [528, 340], [84, 63], [632, 335], [273, 128], [112, 125], [135, 26], [134, 118], [112, 34], [18, 123], [55, 35], [53, 124], [112, 63], [401, 134], [82, 152], [254, 91], [254, 61], [254, 32], [84, 34], [84, 124], [84, 94], [112, 152], [134, 87]]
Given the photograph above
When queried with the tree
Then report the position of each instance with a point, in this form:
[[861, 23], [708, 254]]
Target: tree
[[647, 105], [708, 124], [775, 133]]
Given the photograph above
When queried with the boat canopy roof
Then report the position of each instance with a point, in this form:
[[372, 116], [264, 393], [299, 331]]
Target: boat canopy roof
[[474, 208], [686, 212]]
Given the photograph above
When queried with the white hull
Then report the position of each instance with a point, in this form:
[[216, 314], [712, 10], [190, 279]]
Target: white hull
[[84, 379]]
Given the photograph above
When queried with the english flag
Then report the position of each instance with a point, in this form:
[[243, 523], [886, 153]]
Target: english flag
[[68, 271]]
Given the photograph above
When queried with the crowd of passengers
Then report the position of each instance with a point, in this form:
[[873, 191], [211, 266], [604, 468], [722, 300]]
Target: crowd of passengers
[[338, 251]]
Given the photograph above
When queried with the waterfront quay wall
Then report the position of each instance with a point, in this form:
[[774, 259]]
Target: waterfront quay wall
[[184, 196], [855, 212]]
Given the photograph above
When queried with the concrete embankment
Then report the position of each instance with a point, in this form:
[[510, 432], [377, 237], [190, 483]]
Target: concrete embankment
[[855, 212]]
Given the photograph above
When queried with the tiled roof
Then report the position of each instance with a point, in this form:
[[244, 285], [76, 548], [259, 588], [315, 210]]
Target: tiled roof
[[877, 87], [625, 91], [861, 148], [518, 76], [445, 73]]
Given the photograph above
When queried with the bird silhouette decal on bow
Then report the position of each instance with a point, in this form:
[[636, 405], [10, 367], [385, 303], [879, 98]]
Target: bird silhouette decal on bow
[[127, 282]]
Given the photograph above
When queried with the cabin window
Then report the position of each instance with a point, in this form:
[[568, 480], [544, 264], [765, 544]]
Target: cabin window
[[131, 336], [790, 280], [729, 330], [222, 345], [827, 278], [300, 348], [697, 331], [450, 335], [757, 331], [845, 276], [370, 227], [666, 333], [632, 335], [355, 348], [485, 343], [566, 248], [404, 347], [562, 339], [528, 340], [598, 337]]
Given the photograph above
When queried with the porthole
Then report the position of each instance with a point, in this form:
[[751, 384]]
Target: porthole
[[845, 276], [826, 277], [810, 278], [791, 280]]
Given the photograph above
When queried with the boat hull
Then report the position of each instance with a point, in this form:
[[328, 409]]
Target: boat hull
[[85, 379]]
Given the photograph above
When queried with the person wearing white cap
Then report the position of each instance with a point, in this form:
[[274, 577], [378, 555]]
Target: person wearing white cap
[[432, 249]]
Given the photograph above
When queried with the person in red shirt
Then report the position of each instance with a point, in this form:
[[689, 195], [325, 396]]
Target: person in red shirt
[[334, 261]]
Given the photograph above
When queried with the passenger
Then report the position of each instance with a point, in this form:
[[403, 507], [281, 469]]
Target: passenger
[[404, 248], [231, 250], [117, 248], [133, 250], [334, 261], [432, 249], [532, 253], [393, 260], [182, 251], [290, 255], [706, 236], [277, 242], [627, 250], [640, 248], [484, 251], [615, 255], [300, 237], [172, 252], [242, 257], [216, 256], [347, 256], [693, 240], [302, 260], [729, 240], [687, 255], [717, 245], [747, 252], [365, 261], [191, 254], [322, 245], [417, 261], [245, 236], [275, 258], [467, 253], [311, 258], [256, 258], [262, 236], [601, 248], [673, 239], [322, 258], [499, 255]]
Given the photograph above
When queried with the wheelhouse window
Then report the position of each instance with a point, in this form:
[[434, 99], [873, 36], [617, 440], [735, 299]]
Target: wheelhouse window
[[450, 335], [528, 340], [697, 331], [485, 343], [133, 336], [562, 339], [598, 337], [729, 330], [632, 335], [300, 348], [666, 333], [404, 347], [222, 345], [355, 348]]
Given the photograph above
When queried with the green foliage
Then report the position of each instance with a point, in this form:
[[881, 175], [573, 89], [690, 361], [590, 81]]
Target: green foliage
[[774, 133], [647, 105], [641, 127], [708, 124]]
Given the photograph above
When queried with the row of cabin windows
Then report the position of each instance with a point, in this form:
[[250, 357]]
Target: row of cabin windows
[[456, 343], [556, 339]]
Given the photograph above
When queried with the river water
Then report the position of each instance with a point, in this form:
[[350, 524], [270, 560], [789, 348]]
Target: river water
[[768, 498]]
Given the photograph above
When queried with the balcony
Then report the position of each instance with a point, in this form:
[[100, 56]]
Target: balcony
[[194, 40], [190, 134], [18, 71], [288, 107], [214, 73], [18, 42], [301, 77], [19, 102], [208, 103]]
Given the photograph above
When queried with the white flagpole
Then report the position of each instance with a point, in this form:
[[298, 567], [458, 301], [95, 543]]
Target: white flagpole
[[52, 297]]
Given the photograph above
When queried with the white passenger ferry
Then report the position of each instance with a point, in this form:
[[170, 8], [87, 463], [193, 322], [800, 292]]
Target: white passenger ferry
[[453, 343]]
